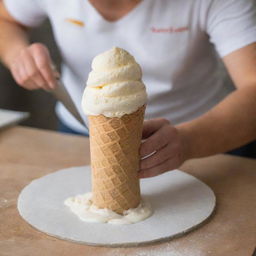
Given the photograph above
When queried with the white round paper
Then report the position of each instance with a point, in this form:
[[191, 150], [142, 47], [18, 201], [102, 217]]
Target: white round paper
[[180, 203]]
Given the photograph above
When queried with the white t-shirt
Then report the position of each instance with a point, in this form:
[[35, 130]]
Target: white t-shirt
[[174, 41]]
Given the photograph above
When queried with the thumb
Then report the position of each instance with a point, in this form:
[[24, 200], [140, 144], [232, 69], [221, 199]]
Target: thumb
[[151, 126]]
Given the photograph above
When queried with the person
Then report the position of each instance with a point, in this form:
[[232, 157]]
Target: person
[[193, 111]]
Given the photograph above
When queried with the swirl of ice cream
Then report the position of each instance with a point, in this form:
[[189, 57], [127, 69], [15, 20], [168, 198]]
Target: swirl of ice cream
[[114, 86]]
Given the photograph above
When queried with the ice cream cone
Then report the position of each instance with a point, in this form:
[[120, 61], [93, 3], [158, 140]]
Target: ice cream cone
[[114, 100], [114, 144]]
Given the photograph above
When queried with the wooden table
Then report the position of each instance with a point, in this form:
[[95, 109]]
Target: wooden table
[[26, 154]]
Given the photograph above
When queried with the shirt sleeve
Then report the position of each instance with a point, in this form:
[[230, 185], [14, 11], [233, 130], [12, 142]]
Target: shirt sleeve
[[30, 13], [231, 24]]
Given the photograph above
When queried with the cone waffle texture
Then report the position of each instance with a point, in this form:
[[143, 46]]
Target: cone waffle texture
[[114, 144]]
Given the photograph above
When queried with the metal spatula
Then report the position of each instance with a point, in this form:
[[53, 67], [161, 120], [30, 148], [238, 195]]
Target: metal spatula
[[62, 95]]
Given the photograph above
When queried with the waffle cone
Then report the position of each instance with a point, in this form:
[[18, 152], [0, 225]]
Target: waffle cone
[[114, 145]]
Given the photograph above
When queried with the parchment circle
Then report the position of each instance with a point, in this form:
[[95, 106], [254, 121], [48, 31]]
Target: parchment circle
[[180, 203]]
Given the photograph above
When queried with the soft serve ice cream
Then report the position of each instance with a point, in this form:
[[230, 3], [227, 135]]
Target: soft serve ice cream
[[82, 206], [114, 87]]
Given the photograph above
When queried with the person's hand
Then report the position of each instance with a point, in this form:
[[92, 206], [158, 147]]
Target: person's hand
[[162, 150], [32, 68]]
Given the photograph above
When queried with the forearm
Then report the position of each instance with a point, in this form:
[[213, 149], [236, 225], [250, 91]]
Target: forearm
[[231, 124], [13, 38]]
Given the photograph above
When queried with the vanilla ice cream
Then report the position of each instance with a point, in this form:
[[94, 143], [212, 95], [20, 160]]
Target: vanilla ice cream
[[114, 87], [82, 206]]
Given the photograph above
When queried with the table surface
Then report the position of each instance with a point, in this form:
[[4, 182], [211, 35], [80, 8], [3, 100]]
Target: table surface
[[26, 154]]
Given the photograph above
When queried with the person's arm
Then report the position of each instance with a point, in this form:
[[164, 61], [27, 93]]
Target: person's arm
[[232, 123], [13, 36], [30, 65]]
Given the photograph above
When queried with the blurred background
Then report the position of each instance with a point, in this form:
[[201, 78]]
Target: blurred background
[[39, 103]]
